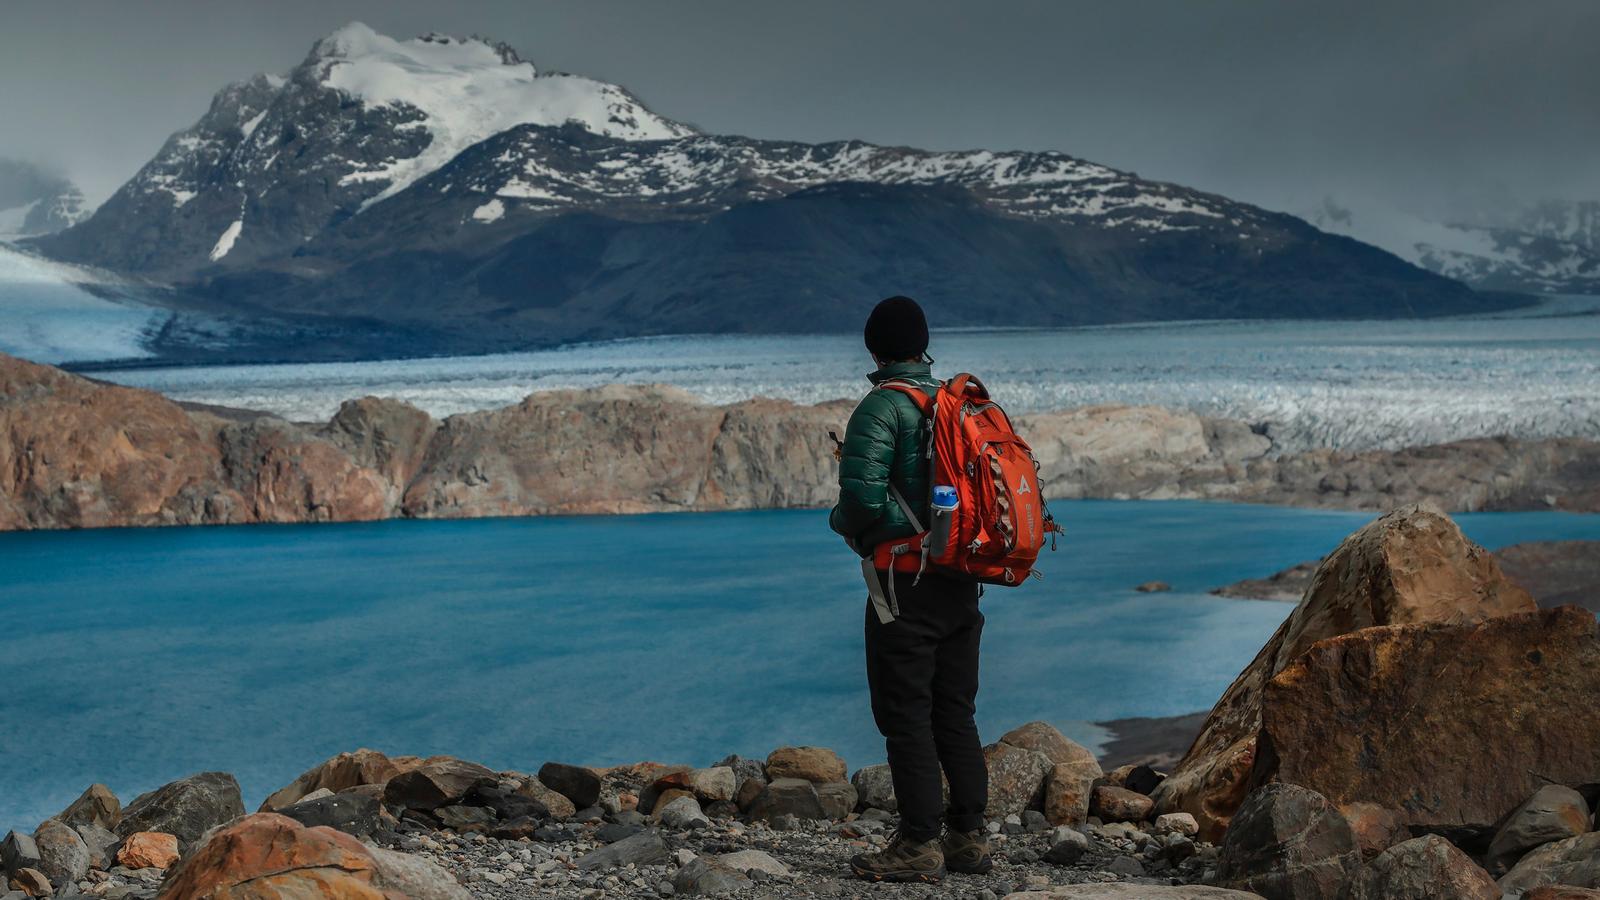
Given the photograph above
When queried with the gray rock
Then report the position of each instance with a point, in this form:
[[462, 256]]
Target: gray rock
[[186, 808], [1422, 868], [837, 798], [1554, 813], [612, 832], [63, 856], [754, 861], [640, 849], [441, 781], [1574, 862], [683, 813], [713, 784], [874, 787], [413, 877], [1034, 822], [708, 877], [1287, 843], [744, 769], [1067, 847], [787, 797], [579, 784], [18, 851], [1126, 865], [353, 813], [100, 843], [464, 818]]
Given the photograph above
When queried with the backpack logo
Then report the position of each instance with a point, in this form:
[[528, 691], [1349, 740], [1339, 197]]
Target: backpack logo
[[1022, 486]]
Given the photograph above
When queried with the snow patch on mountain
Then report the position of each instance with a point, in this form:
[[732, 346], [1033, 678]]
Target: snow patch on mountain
[[50, 312], [464, 91], [225, 242]]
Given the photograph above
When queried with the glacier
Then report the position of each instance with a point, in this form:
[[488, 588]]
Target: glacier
[[54, 313], [1349, 385]]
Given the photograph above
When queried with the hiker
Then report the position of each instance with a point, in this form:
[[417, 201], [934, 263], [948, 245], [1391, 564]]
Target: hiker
[[922, 667]]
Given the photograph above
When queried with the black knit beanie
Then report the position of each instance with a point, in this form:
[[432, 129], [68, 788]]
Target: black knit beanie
[[897, 330]]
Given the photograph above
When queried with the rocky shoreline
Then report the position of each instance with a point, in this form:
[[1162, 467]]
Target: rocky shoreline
[[1556, 573], [80, 453], [1332, 769]]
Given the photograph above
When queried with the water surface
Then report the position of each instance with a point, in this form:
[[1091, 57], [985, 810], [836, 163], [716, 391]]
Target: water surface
[[136, 656]]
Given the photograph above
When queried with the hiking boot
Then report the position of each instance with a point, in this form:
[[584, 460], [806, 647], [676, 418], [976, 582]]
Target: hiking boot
[[903, 860], [967, 852]]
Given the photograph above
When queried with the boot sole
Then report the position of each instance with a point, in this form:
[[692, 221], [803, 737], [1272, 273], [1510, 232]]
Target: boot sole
[[901, 877]]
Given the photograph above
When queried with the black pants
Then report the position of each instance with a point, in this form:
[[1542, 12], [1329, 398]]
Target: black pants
[[922, 669]]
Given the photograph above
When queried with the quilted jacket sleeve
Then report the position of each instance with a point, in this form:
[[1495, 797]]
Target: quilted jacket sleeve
[[869, 447]]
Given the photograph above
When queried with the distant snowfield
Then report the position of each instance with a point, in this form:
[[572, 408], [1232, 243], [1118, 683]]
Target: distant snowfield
[[47, 314], [1355, 385]]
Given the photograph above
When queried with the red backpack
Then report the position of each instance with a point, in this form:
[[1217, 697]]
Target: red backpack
[[1000, 525]]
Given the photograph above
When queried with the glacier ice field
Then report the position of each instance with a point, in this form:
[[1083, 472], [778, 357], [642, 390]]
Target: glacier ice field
[[1344, 384]]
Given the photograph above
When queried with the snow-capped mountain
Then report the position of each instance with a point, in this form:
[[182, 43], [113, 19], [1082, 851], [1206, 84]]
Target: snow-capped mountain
[[1552, 247], [447, 188], [35, 202]]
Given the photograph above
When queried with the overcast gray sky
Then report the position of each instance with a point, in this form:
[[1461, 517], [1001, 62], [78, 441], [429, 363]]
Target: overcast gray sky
[[1278, 102]]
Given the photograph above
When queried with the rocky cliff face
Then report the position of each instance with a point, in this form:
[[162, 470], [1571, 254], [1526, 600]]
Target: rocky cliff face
[[80, 453]]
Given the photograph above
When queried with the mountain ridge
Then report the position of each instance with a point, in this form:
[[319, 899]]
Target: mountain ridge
[[445, 190]]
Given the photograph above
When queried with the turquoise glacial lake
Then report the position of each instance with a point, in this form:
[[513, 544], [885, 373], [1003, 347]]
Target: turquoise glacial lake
[[133, 657]]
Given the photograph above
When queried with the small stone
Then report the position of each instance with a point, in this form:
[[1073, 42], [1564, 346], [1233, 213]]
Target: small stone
[[1114, 804], [1152, 587], [32, 882], [1068, 849], [1034, 822], [1126, 865], [638, 850], [702, 876], [683, 813], [579, 784], [148, 850], [713, 784], [1177, 823], [612, 832], [748, 861]]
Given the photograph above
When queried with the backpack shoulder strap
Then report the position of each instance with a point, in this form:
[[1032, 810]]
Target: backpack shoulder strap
[[917, 393]]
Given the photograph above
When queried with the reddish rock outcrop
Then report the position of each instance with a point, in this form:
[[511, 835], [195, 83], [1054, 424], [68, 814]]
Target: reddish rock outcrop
[[271, 857], [148, 850], [1451, 726], [1411, 565], [78, 453]]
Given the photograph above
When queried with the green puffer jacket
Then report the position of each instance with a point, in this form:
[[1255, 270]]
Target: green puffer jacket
[[884, 441]]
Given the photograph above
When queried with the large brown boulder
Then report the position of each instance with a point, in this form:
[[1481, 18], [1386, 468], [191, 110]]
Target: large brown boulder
[[271, 857], [347, 770], [1408, 566], [95, 806], [438, 781], [1451, 726]]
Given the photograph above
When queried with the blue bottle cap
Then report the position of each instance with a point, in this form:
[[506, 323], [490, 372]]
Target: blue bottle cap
[[945, 497]]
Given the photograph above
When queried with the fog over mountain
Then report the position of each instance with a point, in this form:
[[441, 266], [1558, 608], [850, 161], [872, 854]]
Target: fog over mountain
[[1450, 109]]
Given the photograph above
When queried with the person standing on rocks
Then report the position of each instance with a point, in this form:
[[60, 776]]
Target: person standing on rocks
[[922, 664]]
